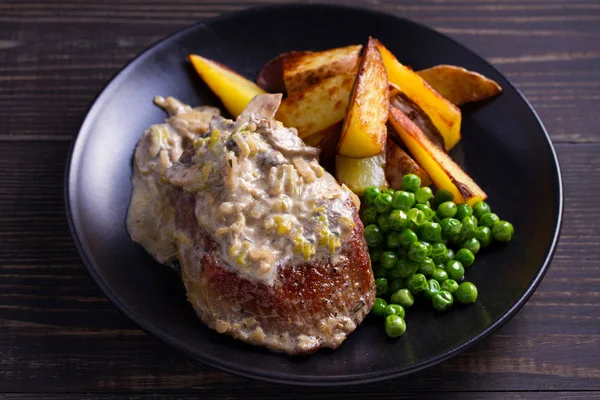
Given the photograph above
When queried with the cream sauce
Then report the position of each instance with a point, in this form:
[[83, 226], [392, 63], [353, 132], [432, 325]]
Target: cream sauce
[[151, 218], [260, 191]]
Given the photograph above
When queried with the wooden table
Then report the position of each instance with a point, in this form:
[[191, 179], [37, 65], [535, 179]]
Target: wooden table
[[60, 338]]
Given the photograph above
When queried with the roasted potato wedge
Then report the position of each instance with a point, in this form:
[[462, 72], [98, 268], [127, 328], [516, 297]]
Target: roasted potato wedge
[[318, 138], [444, 115], [444, 172], [360, 173], [418, 116], [234, 90], [270, 77], [398, 163], [364, 131], [459, 85], [318, 107], [304, 69]]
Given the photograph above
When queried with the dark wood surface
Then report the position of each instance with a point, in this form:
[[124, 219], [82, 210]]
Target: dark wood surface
[[61, 339]]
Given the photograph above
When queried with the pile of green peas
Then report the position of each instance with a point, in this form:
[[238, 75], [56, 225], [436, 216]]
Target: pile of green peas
[[420, 245]]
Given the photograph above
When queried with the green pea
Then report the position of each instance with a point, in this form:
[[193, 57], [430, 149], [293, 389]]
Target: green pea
[[403, 200], [450, 227], [484, 235], [426, 267], [383, 203], [471, 244], [447, 209], [439, 275], [381, 286], [402, 252], [393, 273], [369, 216], [463, 210], [398, 220], [417, 251], [396, 284], [466, 293], [407, 237], [465, 256], [480, 208], [503, 231], [423, 195], [404, 297], [375, 254], [439, 253], [371, 194], [379, 306], [373, 235], [416, 216], [428, 245], [388, 259], [442, 300], [489, 220], [395, 326], [450, 254], [390, 191], [469, 225], [429, 213], [449, 285], [455, 270], [378, 270], [433, 287], [411, 183], [406, 268], [394, 309], [383, 223], [393, 240], [441, 196], [417, 283], [431, 231]]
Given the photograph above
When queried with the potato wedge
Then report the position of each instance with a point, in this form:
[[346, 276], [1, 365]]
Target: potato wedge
[[234, 90], [445, 116], [444, 172], [304, 69], [364, 131], [418, 116], [398, 163], [318, 138], [393, 90], [459, 85], [270, 77], [318, 107], [360, 173]]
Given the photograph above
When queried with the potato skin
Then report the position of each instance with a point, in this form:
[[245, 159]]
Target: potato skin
[[398, 163], [270, 77], [459, 85], [303, 298], [304, 70]]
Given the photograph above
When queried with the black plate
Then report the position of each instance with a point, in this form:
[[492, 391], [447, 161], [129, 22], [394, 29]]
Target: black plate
[[505, 148]]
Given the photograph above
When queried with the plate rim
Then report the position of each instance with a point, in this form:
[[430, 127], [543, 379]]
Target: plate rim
[[70, 182]]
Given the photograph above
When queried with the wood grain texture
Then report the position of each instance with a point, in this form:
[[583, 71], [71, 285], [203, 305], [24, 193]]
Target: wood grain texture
[[54, 56], [587, 395], [60, 338]]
